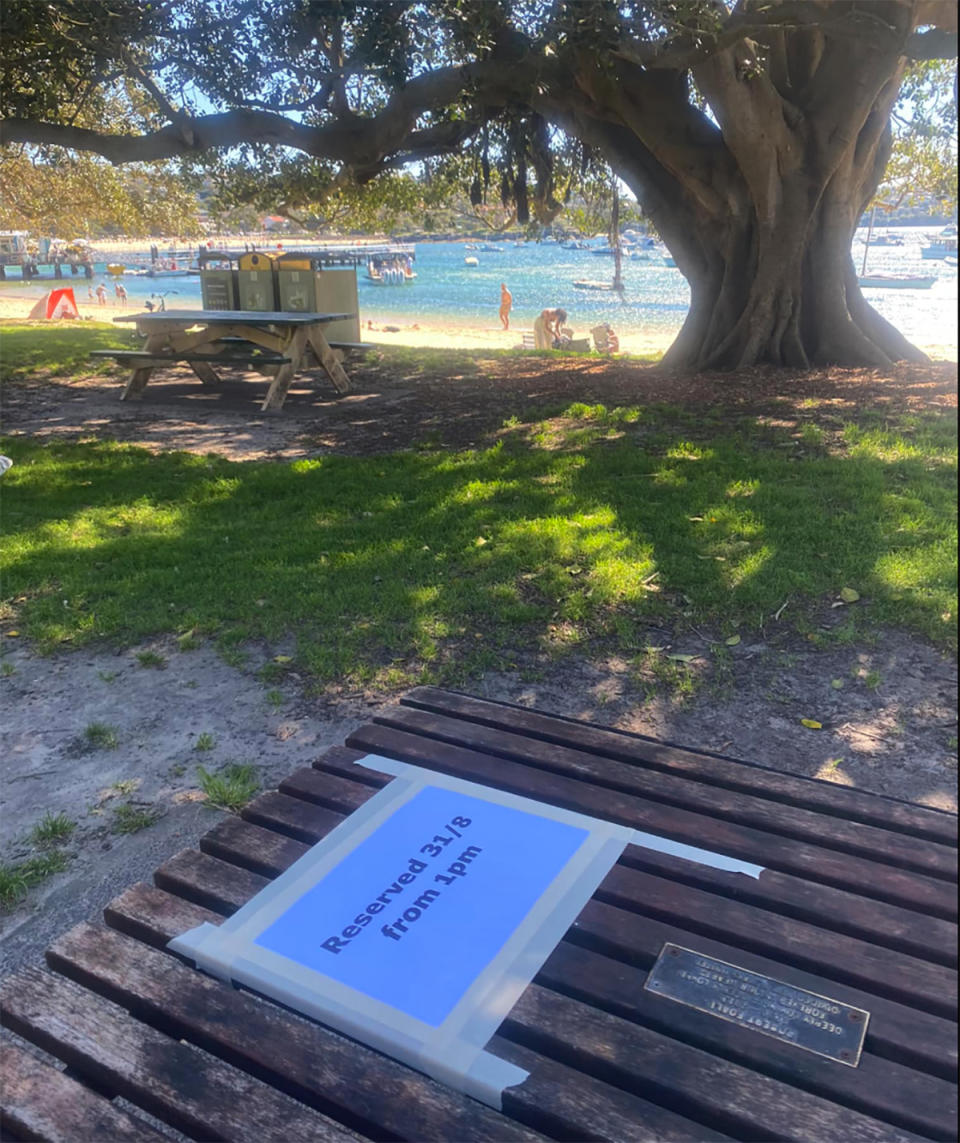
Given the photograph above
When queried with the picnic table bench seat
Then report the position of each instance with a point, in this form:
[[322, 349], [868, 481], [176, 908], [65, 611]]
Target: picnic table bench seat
[[857, 902], [138, 357]]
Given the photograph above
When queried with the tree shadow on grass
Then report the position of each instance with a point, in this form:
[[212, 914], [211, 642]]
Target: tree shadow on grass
[[438, 566]]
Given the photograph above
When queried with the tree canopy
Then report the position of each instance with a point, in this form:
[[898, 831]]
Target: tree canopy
[[754, 134]]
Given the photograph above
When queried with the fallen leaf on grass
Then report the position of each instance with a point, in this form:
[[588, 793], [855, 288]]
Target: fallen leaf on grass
[[811, 724], [283, 658], [732, 641], [837, 684], [682, 658], [848, 595]]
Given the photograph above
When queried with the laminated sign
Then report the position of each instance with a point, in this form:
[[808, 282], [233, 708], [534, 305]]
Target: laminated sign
[[416, 924]]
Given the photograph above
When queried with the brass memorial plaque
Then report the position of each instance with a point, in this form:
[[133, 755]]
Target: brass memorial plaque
[[804, 1019]]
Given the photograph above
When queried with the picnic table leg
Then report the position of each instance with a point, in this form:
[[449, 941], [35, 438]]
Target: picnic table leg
[[328, 360], [139, 377], [277, 392], [205, 372]]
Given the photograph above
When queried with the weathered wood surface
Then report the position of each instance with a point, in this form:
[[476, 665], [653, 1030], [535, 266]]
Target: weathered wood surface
[[288, 337], [919, 1100], [856, 903], [201, 1096], [783, 1109], [37, 1101], [886, 925], [714, 769], [918, 854], [769, 849], [903, 1032]]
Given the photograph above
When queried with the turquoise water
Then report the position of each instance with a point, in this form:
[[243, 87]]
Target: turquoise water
[[655, 299]]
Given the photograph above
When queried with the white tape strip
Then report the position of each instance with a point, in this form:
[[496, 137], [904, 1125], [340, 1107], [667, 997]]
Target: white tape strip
[[692, 853], [634, 837]]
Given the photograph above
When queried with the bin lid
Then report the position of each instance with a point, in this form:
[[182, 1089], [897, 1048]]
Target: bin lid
[[221, 256], [257, 261], [295, 261]]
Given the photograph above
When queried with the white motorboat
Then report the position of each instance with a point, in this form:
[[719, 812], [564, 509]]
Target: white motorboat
[[895, 282]]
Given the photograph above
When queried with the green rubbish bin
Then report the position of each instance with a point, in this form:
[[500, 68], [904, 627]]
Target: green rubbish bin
[[297, 283], [305, 288], [218, 281], [257, 282]]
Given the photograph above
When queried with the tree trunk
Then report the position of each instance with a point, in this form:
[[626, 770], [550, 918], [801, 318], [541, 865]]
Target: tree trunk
[[787, 297], [760, 207]]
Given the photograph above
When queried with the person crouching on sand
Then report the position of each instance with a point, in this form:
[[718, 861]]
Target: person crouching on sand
[[546, 328], [506, 301]]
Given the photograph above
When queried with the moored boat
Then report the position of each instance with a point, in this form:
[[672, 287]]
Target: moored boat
[[940, 247], [896, 282]]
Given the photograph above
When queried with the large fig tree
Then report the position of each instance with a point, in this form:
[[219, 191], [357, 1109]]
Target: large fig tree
[[753, 134]]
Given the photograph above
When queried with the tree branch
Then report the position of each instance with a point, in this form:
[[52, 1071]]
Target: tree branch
[[363, 143]]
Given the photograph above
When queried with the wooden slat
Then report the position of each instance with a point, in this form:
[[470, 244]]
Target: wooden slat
[[300, 820], [354, 1084], [733, 1098], [879, 1087], [567, 1104], [879, 922], [556, 1095], [897, 1031], [37, 1101], [885, 846], [868, 878], [269, 853], [717, 769], [738, 1100], [177, 1083], [930, 988]]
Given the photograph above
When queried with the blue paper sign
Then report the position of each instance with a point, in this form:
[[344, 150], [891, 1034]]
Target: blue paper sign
[[416, 912]]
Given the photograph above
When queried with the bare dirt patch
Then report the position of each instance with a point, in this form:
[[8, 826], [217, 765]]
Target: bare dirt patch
[[889, 727], [401, 403]]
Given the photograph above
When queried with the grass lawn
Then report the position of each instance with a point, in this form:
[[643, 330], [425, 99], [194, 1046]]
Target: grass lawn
[[432, 565], [61, 348]]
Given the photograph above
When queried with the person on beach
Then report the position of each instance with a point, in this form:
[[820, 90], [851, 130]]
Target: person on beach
[[121, 292], [546, 328], [506, 301], [102, 294]]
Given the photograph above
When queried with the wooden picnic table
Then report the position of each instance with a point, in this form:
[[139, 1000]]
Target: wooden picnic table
[[857, 903], [277, 344]]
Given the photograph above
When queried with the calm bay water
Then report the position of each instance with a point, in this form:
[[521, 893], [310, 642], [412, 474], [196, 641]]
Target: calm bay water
[[447, 292]]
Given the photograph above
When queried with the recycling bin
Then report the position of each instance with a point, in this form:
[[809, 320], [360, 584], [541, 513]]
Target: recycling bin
[[257, 282], [218, 281]]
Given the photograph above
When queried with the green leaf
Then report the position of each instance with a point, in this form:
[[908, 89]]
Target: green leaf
[[848, 595], [811, 724], [732, 641]]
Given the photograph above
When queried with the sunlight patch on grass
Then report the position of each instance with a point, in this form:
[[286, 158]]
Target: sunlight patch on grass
[[387, 563]]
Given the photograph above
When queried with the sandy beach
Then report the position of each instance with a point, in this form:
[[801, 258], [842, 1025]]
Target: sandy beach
[[410, 330]]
